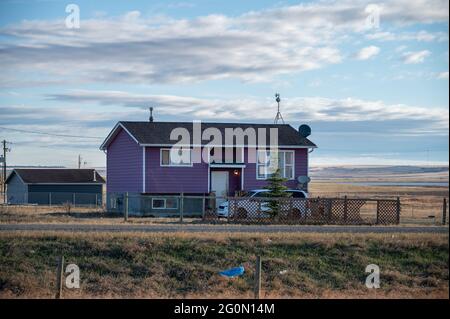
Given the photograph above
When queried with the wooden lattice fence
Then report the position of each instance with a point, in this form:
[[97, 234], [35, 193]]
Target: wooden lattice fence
[[345, 211]]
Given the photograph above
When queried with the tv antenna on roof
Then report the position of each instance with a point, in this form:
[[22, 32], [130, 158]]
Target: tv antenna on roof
[[278, 117]]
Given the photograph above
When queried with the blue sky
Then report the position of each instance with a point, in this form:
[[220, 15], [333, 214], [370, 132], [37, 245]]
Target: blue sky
[[372, 93]]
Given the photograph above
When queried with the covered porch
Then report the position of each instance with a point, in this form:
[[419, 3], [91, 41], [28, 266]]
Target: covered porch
[[226, 179]]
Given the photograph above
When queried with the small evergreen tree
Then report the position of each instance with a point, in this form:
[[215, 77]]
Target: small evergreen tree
[[276, 189]]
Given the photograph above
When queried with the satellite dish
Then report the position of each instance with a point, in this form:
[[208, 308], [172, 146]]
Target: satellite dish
[[304, 130], [303, 179]]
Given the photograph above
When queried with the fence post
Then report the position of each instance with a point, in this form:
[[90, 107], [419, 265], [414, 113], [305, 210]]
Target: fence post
[[378, 212], [345, 208], [50, 199], [125, 217], [59, 277], [444, 212], [257, 287], [203, 206], [181, 207], [398, 210]]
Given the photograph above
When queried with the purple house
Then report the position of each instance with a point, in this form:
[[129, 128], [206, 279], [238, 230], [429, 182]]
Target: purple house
[[140, 160]]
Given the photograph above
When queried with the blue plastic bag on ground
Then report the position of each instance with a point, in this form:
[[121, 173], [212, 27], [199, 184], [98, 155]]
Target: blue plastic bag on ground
[[233, 272]]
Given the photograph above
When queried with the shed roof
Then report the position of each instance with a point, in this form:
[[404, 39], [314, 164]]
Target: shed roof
[[158, 133], [57, 176]]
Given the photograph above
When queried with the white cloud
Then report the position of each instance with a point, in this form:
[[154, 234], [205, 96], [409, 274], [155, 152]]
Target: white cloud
[[256, 109], [256, 46], [94, 113], [443, 75], [367, 52], [420, 36], [415, 57]]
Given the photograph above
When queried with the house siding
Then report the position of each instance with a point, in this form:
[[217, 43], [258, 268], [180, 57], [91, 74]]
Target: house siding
[[16, 191], [192, 179], [58, 188], [301, 168], [124, 171], [124, 164]]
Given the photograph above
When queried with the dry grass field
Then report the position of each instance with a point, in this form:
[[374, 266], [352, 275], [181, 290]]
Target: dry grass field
[[419, 204], [187, 265]]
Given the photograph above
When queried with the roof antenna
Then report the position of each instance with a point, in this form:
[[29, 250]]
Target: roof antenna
[[278, 117], [151, 114]]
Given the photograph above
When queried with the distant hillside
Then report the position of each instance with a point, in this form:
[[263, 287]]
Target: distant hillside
[[377, 172]]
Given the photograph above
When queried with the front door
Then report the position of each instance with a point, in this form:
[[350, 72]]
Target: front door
[[219, 185]]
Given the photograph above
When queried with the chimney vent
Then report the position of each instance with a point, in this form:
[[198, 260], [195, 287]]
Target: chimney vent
[[151, 115]]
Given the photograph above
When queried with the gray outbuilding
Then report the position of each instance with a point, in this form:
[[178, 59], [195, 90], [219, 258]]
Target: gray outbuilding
[[54, 187]]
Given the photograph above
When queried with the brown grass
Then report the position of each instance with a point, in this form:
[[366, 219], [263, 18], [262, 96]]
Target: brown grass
[[142, 265]]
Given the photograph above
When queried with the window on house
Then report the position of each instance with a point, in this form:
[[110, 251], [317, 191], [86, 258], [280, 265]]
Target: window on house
[[176, 157], [164, 203], [269, 162], [226, 155]]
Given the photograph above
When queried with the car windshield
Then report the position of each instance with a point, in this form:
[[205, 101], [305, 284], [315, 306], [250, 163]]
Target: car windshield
[[250, 194], [257, 194]]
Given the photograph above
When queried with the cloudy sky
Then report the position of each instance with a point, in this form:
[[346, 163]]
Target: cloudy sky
[[370, 78]]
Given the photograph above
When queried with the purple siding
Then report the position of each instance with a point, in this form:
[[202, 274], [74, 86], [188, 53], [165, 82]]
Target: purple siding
[[124, 164], [301, 168], [173, 179], [124, 171]]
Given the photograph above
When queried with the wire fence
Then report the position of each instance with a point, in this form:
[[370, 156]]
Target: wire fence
[[246, 210], [430, 212], [56, 199]]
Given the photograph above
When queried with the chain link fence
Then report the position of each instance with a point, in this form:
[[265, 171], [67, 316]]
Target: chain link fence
[[57, 199], [344, 211]]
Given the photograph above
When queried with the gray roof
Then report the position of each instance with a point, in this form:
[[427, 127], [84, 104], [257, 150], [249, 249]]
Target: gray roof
[[158, 133], [57, 176]]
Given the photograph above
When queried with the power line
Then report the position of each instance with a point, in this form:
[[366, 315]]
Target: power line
[[50, 134]]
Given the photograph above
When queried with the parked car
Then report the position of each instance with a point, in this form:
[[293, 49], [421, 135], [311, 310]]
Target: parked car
[[299, 205]]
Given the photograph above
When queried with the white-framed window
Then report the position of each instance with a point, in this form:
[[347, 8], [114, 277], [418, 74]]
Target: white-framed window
[[268, 163], [164, 203], [226, 155], [175, 157]]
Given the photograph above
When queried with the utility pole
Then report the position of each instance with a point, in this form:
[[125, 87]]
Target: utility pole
[[80, 161], [5, 149]]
